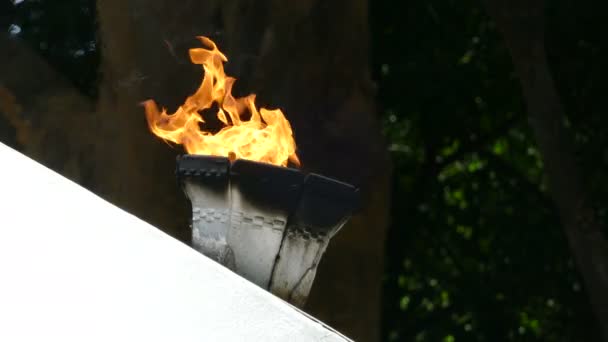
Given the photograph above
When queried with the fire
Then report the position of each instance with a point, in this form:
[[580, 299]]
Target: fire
[[265, 136]]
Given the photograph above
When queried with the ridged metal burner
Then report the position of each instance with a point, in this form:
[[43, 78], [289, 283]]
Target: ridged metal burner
[[269, 224]]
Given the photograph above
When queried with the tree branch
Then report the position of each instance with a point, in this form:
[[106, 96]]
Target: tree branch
[[522, 25], [509, 170]]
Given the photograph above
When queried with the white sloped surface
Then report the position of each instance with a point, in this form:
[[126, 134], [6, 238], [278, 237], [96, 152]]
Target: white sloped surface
[[76, 268]]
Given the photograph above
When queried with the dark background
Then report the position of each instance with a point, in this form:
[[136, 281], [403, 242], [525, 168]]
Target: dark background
[[476, 249]]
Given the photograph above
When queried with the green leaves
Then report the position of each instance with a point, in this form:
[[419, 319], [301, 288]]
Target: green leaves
[[476, 251]]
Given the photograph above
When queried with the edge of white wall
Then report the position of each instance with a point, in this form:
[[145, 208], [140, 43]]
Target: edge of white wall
[[74, 267]]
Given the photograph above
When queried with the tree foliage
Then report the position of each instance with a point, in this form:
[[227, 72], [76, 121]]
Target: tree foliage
[[476, 251], [63, 32]]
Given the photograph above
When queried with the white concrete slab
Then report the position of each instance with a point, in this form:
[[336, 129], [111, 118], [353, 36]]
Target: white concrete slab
[[75, 268]]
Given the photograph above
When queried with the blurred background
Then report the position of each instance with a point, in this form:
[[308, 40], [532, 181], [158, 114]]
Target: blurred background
[[477, 132]]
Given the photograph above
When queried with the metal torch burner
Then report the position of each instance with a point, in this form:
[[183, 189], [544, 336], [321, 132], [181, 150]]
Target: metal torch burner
[[269, 224]]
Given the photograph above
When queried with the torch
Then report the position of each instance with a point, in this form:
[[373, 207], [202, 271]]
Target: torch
[[267, 222]]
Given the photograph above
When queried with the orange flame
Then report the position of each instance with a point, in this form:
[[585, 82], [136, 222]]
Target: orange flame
[[265, 137]]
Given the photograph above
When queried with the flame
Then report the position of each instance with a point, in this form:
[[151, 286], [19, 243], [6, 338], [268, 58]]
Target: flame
[[265, 137]]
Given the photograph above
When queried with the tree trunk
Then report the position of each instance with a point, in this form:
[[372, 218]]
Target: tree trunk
[[522, 24], [309, 58], [49, 120]]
